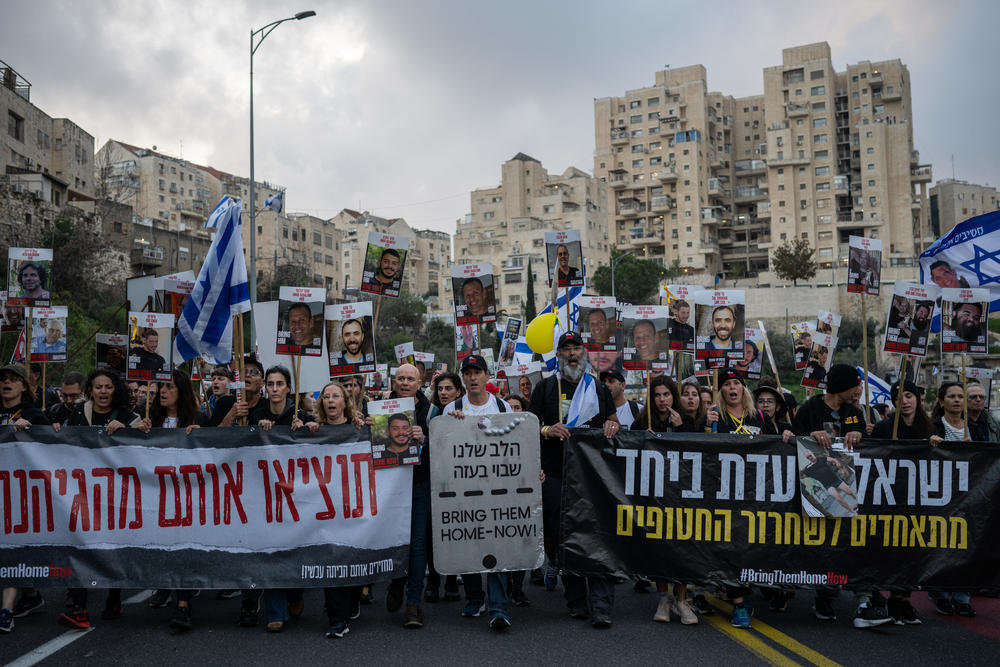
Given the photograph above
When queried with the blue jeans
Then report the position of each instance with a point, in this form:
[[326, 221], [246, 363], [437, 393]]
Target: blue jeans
[[420, 528], [956, 598], [496, 590], [276, 601]]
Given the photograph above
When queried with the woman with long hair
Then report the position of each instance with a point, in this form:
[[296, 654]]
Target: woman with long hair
[[734, 408], [691, 407], [914, 424], [279, 408]]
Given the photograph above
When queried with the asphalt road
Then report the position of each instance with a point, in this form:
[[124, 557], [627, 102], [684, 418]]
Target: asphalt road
[[541, 634]]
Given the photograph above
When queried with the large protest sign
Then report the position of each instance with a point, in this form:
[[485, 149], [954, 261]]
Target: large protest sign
[[112, 351], [508, 346], [992, 328], [720, 318], [864, 265], [486, 497], [168, 510], [820, 360], [385, 259], [753, 355], [597, 322], [13, 316], [523, 378], [300, 321], [646, 345], [564, 256], [908, 323], [828, 323], [473, 293], [680, 299], [964, 315], [313, 372], [29, 276], [349, 338], [172, 292], [801, 333], [392, 440], [48, 338], [698, 508], [151, 346]]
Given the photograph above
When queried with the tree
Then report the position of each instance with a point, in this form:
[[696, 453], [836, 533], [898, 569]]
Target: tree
[[289, 274], [400, 320], [793, 260], [530, 310], [636, 280]]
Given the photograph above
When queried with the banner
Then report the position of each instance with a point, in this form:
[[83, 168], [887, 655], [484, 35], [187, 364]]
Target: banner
[[243, 509], [720, 508]]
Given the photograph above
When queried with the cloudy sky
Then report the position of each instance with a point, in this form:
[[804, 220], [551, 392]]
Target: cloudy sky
[[402, 107]]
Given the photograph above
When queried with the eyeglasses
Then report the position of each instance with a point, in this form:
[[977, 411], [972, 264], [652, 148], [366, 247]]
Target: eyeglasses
[[977, 398], [253, 372], [767, 401]]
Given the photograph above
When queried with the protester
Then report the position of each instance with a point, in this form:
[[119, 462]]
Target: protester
[[978, 414], [69, 394], [627, 410], [771, 405], [518, 403], [914, 424], [221, 377], [228, 410], [691, 407]]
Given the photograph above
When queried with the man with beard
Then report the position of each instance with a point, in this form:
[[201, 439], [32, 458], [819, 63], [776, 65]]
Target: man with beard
[[388, 267], [566, 273], [644, 340], [723, 323], [597, 593], [352, 334], [680, 331], [965, 320], [922, 316], [300, 325]]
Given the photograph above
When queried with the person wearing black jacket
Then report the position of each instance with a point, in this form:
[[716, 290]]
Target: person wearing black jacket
[[771, 404], [948, 417], [914, 424]]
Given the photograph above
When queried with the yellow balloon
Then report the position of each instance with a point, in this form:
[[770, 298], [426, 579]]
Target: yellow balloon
[[539, 333]]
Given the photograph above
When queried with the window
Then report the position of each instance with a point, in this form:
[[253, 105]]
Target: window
[[637, 133], [871, 166], [654, 145], [317, 239], [318, 257], [653, 102], [653, 115], [824, 236], [821, 155], [635, 104], [819, 106], [819, 122], [816, 74], [872, 201], [817, 90], [638, 148], [329, 259], [871, 182], [870, 150], [826, 252], [635, 119], [822, 171], [638, 163], [329, 242], [488, 215], [653, 131], [822, 186], [819, 138]]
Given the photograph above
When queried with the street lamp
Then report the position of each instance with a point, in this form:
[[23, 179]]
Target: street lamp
[[256, 38], [613, 263]]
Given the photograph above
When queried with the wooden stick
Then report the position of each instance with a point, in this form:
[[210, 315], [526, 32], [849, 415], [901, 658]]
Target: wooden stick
[[965, 401], [149, 386], [44, 366], [899, 398], [297, 364], [770, 355], [28, 330], [649, 402], [378, 306], [864, 358], [238, 330]]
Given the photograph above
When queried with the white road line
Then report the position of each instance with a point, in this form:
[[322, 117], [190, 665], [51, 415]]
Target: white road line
[[50, 647]]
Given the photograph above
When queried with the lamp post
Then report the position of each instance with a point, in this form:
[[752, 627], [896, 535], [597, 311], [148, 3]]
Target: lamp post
[[256, 38], [613, 263]]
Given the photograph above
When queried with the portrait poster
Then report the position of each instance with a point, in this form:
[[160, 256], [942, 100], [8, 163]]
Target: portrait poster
[[964, 320], [300, 321], [908, 322], [864, 265], [385, 259], [827, 479], [13, 316], [112, 352], [473, 293], [490, 359], [828, 323], [680, 299], [801, 333], [349, 338], [150, 346], [29, 276], [820, 360], [564, 256], [719, 329], [646, 345], [404, 353], [606, 360], [753, 355], [523, 378], [49, 333], [508, 345], [597, 322], [314, 372], [466, 340], [392, 440], [378, 379]]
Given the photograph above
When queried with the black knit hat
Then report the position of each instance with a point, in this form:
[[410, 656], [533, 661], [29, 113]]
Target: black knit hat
[[842, 377]]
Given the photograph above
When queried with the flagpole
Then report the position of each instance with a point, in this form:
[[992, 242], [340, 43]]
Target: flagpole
[[649, 403], [378, 306], [965, 401], [241, 369], [297, 365], [899, 398], [864, 357], [44, 367], [28, 330]]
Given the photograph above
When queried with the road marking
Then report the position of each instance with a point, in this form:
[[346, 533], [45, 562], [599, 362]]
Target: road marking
[[750, 642], [50, 647], [812, 656]]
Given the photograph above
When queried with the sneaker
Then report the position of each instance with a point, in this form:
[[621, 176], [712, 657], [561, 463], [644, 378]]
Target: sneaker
[[551, 578], [870, 616], [823, 609], [295, 608], [367, 596], [472, 609], [275, 626], [662, 613], [356, 612], [159, 599], [394, 596], [112, 611], [182, 618], [413, 617], [741, 617], [249, 611], [338, 630], [965, 609], [499, 621], [683, 610], [6, 620], [642, 585], [600, 620], [228, 594], [579, 612], [75, 618], [944, 606], [902, 612], [701, 606], [519, 599], [28, 604], [779, 601]]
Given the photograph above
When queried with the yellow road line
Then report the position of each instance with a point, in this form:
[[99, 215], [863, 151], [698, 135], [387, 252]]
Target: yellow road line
[[780, 638], [749, 641]]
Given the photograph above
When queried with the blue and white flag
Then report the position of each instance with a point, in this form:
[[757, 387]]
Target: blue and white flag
[[205, 327], [878, 389], [565, 316], [585, 404], [967, 256], [522, 353], [276, 202]]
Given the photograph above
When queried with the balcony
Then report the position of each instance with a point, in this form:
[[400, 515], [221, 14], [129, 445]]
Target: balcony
[[763, 209], [143, 257], [629, 207], [616, 179], [711, 219], [666, 173], [921, 174], [661, 202], [840, 184], [748, 193], [915, 203], [750, 166], [794, 110], [891, 94], [619, 136]]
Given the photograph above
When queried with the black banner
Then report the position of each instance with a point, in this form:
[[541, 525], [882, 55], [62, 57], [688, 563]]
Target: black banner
[[719, 508]]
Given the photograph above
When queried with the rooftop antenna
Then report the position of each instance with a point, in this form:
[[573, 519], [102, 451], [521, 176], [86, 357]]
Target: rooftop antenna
[[953, 166]]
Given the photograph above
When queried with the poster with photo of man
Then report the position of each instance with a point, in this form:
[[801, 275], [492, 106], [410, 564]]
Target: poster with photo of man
[[466, 340], [29, 276], [828, 323], [48, 333], [349, 339], [300, 321], [523, 378], [719, 332], [964, 314], [424, 361], [820, 360], [750, 365], [992, 329], [864, 265], [802, 333], [508, 345], [908, 321], [377, 380], [828, 480], [150, 346], [392, 433], [385, 259], [681, 326], [473, 293], [597, 323], [983, 377], [564, 253], [112, 352], [646, 346], [13, 316]]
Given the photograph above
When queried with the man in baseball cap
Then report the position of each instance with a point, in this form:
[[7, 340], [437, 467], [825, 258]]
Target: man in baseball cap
[[627, 410]]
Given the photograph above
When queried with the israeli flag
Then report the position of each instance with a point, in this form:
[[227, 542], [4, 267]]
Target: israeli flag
[[276, 202], [584, 405], [205, 327], [565, 315], [522, 353], [878, 389]]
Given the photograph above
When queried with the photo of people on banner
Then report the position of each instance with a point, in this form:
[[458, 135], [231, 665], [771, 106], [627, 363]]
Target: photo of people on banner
[[522, 378], [300, 321], [466, 340], [13, 316], [385, 260], [909, 320], [48, 333], [349, 338], [150, 346], [29, 276], [174, 293], [719, 317], [801, 333], [753, 356], [964, 315], [597, 324], [564, 254], [820, 360], [993, 330], [864, 265], [508, 345], [112, 352], [392, 433], [828, 480], [473, 293], [828, 323], [680, 299], [646, 345]]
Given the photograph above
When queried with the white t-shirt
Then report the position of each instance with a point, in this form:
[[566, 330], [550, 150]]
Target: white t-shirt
[[170, 422], [491, 407], [625, 417]]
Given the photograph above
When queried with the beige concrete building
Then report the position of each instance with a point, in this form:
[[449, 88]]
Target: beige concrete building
[[48, 158], [298, 246], [714, 182], [507, 225], [954, 201]]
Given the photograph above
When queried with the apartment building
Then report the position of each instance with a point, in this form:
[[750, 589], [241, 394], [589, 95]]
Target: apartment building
[[953, 201], [507, 225], [48, 158], [713, 183]]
